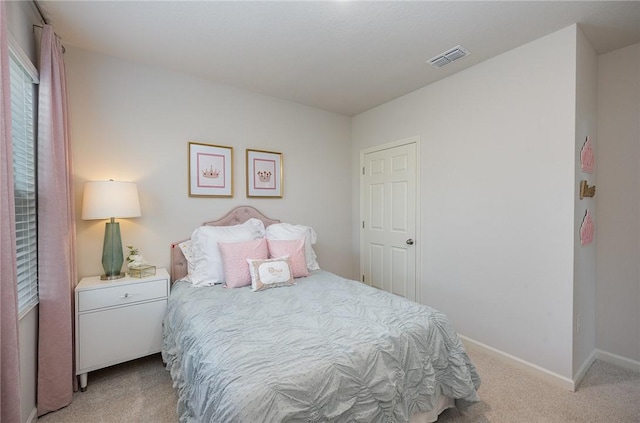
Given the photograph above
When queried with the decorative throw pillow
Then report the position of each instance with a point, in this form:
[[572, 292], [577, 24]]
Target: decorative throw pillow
[[295, 250], [189, 254], [270, 273], [287, 231], [234, 260], [208, 269]]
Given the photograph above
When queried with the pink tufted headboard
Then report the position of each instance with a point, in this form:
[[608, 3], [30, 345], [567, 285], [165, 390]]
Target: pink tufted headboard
[[236, 216]]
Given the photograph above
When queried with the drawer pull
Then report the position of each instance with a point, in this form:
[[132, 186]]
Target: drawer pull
[[127, 295]]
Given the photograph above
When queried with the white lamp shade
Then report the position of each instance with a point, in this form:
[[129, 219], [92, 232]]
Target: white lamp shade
[[107, 199]]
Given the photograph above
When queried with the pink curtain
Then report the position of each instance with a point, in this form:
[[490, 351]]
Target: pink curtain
[[9, 354], [56, 232]]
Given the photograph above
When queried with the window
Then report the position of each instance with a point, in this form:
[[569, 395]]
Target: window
[[23, 78]]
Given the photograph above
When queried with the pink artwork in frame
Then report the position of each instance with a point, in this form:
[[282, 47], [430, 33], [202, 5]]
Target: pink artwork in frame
[[210, 170], [264, 174]]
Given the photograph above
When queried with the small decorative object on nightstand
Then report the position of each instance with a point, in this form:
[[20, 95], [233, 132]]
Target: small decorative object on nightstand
[[142, 271], [138, 267], [118, 321]]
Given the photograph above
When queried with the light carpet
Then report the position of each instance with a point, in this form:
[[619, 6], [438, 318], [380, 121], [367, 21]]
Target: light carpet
[[141, 391]]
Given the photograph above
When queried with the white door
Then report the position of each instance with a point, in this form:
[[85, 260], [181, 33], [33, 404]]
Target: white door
[[388, 241]]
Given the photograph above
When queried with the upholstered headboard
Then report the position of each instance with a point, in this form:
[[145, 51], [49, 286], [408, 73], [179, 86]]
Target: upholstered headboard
[[236, 216]]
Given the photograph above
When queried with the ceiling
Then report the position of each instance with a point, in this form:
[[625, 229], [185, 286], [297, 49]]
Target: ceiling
[[340, 56]]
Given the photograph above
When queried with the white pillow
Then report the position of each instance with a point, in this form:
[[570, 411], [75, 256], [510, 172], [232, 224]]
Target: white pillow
[[288, 232], [208, 269]]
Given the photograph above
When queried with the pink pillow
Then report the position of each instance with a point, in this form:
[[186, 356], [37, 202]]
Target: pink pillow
[[295, 250], [234, 260]]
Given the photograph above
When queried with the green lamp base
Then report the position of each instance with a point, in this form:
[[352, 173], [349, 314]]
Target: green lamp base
[[112, 257]]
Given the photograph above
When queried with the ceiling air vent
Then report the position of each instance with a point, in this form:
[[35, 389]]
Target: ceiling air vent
[[448, 56]]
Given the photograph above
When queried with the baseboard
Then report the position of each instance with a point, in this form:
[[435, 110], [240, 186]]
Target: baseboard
[[583, 369], [529, 368], [33, 416], [618, 360]]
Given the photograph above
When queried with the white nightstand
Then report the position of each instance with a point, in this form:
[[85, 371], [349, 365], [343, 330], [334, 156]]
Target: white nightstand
[[118, 320]]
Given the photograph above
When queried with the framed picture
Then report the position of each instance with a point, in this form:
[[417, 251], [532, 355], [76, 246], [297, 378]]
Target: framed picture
[[264, 174], [210, 170]]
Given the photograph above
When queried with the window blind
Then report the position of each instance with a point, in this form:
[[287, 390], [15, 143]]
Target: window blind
[[24, 173]]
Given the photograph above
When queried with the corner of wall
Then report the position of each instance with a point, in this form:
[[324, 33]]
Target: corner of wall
[[584, 287], [527, 367], [617, 360]]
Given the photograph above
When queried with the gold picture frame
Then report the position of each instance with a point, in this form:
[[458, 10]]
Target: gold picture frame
[[210, 170], [264, 174]]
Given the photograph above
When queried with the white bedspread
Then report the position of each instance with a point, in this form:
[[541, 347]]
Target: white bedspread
[[326, 349]]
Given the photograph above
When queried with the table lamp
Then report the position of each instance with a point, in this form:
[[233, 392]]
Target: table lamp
[[110, 200]]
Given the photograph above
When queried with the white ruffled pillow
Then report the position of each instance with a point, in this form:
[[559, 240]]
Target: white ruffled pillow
[[208, 268], [288, 232]]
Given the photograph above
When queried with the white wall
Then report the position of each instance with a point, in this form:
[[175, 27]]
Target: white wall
[[20, 18], [133, 122], [618, 204], [584, 301], [497, 196]]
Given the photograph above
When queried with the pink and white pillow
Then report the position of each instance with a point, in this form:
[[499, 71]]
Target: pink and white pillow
[[270, 273], [234, 260], [287, 232], [295, 250]]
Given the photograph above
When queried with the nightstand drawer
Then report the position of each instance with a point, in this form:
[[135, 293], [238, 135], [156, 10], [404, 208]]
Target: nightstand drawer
[[121, 295]]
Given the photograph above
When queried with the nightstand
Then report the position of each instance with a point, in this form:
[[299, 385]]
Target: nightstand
[[119, 320]]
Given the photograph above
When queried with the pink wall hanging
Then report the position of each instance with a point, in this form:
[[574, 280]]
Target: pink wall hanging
[[587, 229], [587, 157]]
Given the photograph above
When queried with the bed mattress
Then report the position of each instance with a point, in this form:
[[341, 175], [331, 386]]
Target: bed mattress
[[325, 349]]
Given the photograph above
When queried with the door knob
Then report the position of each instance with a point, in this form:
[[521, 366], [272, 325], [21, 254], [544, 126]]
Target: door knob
[[409, 241]]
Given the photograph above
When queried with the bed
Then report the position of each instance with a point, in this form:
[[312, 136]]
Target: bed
[[323, 349]]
